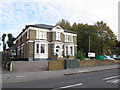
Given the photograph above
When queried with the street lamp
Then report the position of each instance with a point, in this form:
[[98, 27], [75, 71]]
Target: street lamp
[[89, 46]]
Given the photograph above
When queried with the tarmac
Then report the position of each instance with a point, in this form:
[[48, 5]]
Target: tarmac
[[9, 77]]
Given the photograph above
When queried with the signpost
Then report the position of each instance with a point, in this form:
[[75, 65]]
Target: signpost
[[91, 54]]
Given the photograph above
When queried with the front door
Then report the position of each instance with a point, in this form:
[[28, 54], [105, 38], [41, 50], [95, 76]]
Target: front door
[[58, 51]]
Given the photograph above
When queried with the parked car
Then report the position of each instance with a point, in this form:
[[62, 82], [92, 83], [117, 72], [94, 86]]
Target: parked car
[[117, 57], [108, 58], [113, 56]]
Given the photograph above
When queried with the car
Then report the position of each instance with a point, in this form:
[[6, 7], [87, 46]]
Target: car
[[113, 56], [117, 57], [108, 58]]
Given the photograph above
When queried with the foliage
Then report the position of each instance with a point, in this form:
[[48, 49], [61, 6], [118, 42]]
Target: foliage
[[117, 49], [108, 39], [11, 40], [3, 40], [64, 24], [80, 55], [102, 38]]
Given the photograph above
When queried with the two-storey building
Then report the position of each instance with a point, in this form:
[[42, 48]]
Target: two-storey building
[[40, 41]]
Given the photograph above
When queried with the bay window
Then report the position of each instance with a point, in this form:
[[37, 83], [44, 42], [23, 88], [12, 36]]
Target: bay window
[[42, 48], [37, 48]]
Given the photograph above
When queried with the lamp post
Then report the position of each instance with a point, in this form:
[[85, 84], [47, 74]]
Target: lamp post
[[89, 43], [89, 46]]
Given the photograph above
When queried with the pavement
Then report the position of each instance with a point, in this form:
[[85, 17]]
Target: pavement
[[9, 77], [102, 79]]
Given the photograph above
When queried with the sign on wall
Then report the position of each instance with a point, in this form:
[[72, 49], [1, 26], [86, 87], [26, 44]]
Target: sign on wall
[[91, 54]]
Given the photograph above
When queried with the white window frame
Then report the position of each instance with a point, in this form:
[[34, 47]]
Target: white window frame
[[28, 34], [69, 50], [38, 48], [68, 38], [58, 36], [44, 48], [41, 55], [41, 34]]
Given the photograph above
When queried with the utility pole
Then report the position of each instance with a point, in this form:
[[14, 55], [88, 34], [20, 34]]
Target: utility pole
[[89, 43], [89, 46]]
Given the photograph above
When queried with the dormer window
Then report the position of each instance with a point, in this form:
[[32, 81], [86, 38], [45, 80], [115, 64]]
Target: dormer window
[[57, 35]]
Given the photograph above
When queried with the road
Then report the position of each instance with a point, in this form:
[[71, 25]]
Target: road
[[102, 79]]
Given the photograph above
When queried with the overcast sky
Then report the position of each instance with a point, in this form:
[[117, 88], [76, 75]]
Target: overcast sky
[[15, 15]]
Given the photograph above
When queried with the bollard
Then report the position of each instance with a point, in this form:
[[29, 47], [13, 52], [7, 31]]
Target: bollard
[[11, 67]]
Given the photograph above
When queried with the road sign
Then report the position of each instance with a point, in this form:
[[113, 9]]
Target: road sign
[[91, 54]]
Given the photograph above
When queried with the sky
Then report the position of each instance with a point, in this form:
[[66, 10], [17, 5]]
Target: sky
[[15, 14]]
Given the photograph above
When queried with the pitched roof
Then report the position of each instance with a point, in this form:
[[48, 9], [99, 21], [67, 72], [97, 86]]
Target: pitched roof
[[44, 26], [48, 27]]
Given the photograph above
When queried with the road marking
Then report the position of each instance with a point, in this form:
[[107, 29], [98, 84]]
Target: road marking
[[21, 76], [69, 86], [115, 81], [110, 77]]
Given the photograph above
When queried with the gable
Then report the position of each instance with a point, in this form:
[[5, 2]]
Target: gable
[[57, 29]]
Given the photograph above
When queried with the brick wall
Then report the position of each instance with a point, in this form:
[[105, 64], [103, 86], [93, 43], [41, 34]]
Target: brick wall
[[75, 40], [95, 63], [56, 65], [31, 50], [32, 34]]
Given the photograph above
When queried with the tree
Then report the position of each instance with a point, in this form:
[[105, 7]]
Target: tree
[[11, 40], [84, 31], [64, 24], [74, 27], [117, 49], [3, 40], [102, 38], [107, 37]]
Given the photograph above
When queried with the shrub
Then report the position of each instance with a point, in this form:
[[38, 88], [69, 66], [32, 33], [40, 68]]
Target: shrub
[[80, 55]]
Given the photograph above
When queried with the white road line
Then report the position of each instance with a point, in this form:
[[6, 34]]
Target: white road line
[[21, 76], [110, 77], [114, 81], [70, 86]]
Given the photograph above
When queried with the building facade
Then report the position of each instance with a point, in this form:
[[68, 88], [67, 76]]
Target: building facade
[[39, 42]]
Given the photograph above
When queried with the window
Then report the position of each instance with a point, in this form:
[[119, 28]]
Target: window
[[27, 34], [42, 48], [68, 38], [71, 50], [40, 34], [44, 35], [37, 48], [57, 35], [66, 50]]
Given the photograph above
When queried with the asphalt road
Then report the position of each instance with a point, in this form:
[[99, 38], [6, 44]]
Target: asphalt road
[[102, 79]]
